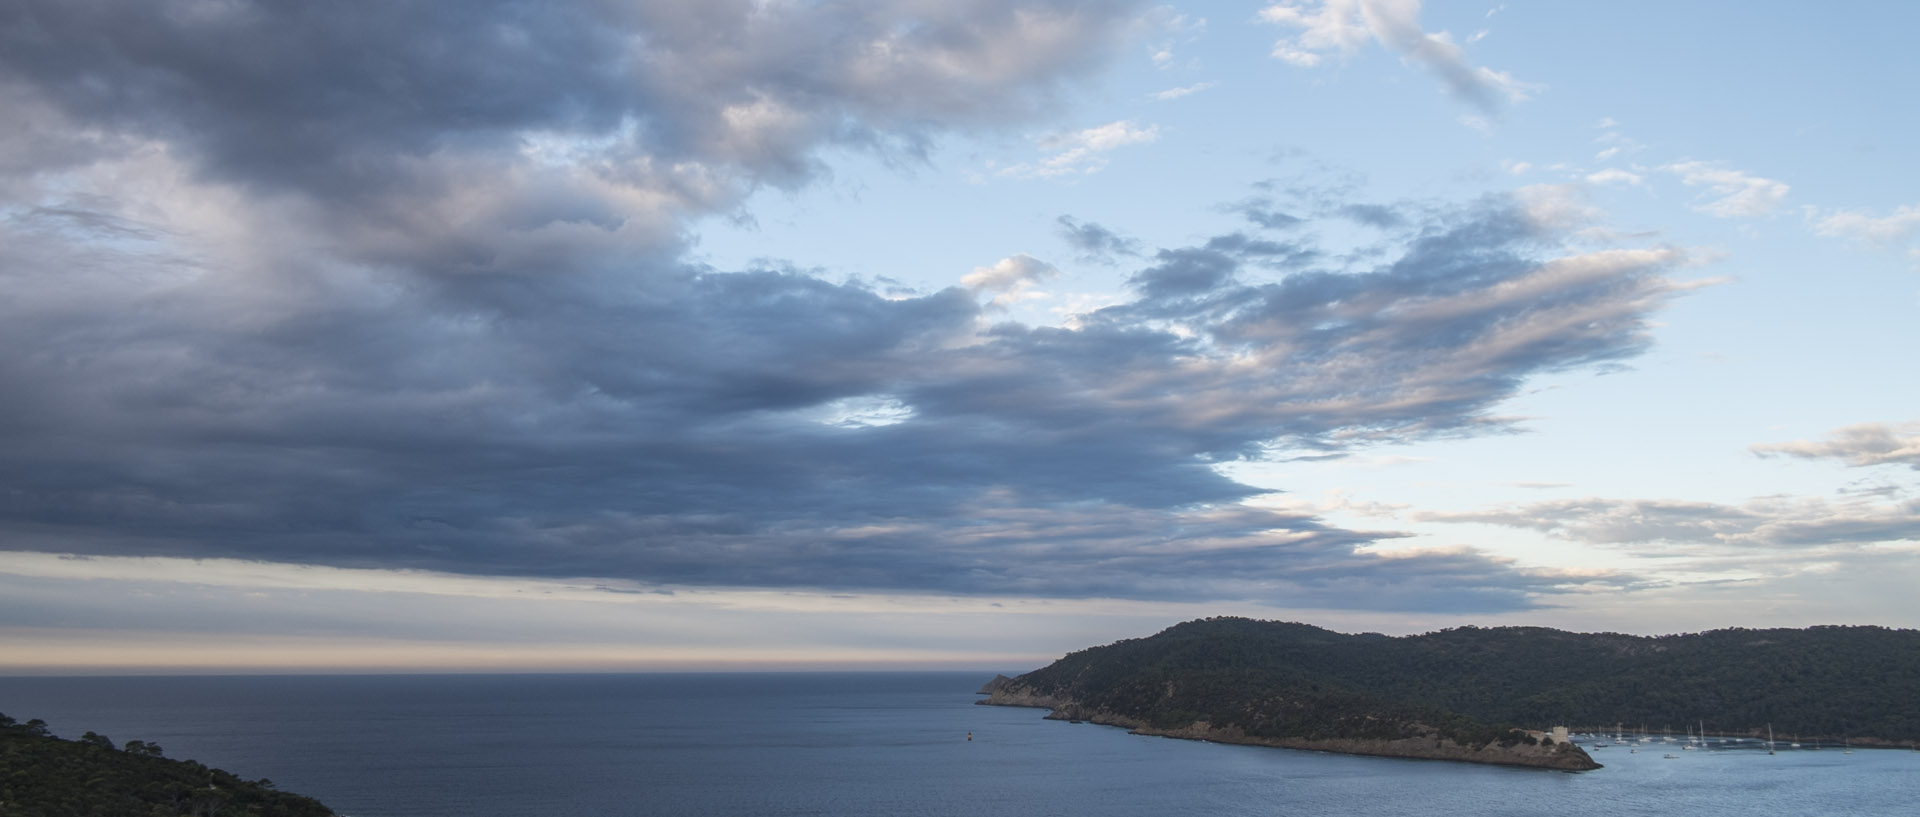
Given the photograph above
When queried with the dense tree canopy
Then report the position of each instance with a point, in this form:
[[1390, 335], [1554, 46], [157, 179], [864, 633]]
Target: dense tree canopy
[[44, 776], [1294, 680]]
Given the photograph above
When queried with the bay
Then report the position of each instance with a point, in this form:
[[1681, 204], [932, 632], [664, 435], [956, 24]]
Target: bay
[[852, 744]]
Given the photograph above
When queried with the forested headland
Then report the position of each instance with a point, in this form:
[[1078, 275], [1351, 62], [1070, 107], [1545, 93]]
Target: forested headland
[[1293, 684]]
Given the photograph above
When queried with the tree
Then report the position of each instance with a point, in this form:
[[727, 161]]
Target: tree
[[141, 747]]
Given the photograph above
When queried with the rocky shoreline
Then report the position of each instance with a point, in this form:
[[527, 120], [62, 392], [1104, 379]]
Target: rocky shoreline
[[1004, 691]]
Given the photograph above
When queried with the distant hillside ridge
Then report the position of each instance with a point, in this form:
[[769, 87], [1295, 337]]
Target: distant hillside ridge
[[44, 776], [1280, 683]]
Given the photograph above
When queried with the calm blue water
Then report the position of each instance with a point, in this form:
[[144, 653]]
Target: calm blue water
[[851, 745]]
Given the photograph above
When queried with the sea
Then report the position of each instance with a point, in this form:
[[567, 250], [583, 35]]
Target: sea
[[857, 745]]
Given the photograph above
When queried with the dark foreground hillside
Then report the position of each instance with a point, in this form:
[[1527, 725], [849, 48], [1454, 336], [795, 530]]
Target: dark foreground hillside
[[44, 776], [1275, 682]]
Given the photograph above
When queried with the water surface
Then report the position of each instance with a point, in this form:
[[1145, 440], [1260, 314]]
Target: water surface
[[854, 744]]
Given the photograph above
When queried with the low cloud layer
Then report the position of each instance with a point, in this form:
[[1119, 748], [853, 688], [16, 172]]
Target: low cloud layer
[[325, 297], [1870, 516], [1761, 523], [1857, 445]]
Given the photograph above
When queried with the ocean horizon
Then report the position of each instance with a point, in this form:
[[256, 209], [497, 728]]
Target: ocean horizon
[[843, 743]]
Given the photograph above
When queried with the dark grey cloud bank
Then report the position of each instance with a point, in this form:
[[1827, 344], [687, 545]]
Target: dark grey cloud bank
[[400, 284]]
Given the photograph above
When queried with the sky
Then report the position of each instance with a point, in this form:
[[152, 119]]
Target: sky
[[901, 334]]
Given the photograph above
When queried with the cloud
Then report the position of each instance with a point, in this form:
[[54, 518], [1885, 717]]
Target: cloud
[[1175, 93], [1597, 521], [1082, 152], [1730, 193], [665, 424], [1753, 535], [1556, 206], [1372, 215], [514, 133], [1011, 278], [112, 611], [1009, 273], [1260, 212], [1613, 175], [1343, 26], [1860, 445], [1616, 143], [1760, 523], [1178, 29], [1898, 227], [1096, 243], [1334, 26], [332, 299]]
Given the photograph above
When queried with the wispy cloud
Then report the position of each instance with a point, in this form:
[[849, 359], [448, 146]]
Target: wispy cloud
[[1341, 27], [1760, 523], [1893, 230], [1176, 30], [1176, 93], [1865, 518], [1730, 193], [1081, 152], [1857, 445], [1616, 144], [1096, 243], [1614, 176]]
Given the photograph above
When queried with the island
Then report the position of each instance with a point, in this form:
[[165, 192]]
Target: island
[[1482, 695], [45, 776]]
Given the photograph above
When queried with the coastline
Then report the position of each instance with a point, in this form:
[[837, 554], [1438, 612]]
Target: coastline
[[1565, 757]]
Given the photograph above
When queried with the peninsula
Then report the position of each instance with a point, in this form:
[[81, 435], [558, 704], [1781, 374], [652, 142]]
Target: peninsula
[[1482, 695]]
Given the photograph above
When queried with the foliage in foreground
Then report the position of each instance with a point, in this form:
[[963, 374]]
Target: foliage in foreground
[[44, 776]]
